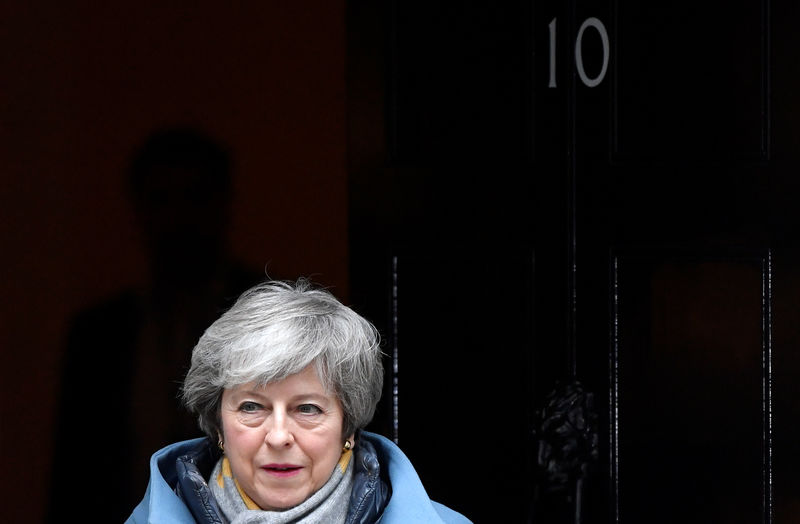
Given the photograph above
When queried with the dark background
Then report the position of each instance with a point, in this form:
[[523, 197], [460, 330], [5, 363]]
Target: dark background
[[82, 86]]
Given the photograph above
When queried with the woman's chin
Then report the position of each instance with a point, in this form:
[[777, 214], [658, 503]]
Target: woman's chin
[[280, 502]]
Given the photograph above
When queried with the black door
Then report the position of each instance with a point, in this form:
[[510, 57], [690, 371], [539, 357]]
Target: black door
[[573, 223]]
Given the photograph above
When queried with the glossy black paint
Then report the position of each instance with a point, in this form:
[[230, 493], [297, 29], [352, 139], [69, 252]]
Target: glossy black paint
[[607, 215]]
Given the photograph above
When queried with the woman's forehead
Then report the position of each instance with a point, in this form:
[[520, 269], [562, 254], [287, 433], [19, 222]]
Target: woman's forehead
[[306, 381]]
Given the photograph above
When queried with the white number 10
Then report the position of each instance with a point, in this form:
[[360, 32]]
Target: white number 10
[[601, 29]]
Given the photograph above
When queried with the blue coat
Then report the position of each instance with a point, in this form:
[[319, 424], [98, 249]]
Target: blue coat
[[408, 503]]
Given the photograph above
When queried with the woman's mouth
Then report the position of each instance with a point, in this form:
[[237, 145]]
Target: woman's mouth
[[282, 470]]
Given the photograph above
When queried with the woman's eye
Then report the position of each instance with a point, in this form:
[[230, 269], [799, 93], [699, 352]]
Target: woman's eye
[[249, 407], [309, 409]]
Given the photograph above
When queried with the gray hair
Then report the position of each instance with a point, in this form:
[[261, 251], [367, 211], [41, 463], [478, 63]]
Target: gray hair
[[276, 329]]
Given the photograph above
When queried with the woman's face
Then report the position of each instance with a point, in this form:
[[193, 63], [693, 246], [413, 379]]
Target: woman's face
[[282, 440]]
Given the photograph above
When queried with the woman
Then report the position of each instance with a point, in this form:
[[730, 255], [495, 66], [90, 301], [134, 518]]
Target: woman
[[283, 384]]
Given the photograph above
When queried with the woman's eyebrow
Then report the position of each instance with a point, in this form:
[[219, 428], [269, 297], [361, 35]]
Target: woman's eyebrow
[[239, 393], [311, 395]]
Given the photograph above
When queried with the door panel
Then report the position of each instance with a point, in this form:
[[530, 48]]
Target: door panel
[[452, 99], [691, 81], [463, 378], [691, 440]]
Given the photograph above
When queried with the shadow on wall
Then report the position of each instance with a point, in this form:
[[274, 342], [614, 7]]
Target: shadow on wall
[[125, 357]]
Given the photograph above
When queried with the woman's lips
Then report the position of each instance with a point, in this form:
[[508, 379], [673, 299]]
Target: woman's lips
[[282, 470]]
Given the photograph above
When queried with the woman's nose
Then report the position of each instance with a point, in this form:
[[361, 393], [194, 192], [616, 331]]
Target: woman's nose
[[279, 433]]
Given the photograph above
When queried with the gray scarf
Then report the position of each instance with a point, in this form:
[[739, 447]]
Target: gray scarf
[[328, 505]]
